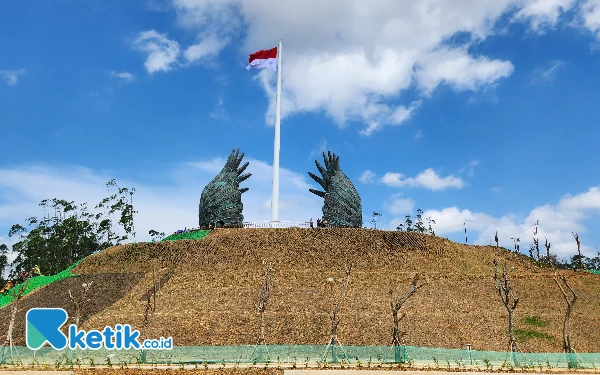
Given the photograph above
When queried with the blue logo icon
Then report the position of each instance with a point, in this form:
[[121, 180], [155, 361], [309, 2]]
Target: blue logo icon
[[43, 326]]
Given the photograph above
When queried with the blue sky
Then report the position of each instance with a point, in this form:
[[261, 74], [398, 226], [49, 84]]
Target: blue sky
[[478, 112]]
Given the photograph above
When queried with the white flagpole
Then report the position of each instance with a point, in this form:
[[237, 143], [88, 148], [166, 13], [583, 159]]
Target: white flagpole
[[275, 192]]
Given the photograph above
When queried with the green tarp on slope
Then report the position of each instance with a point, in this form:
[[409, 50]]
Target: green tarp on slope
[[38, 282], [195, 235]]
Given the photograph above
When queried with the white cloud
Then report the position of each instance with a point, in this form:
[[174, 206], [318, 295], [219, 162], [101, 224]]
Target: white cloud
[[209, 46], [378, 115], [125, 77], [11, 77], [349, 58], [470, 168], [543, 13], [590, 15], [459, 70], [418, 134], [319, 150], [547, 74], [212, 166], [556, 223], [367, 177], [428, 179], [167, 206], [219, 112], [398, 206], [162, 52]]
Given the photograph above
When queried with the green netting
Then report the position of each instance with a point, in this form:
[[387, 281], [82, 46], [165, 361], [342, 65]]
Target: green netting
[[37, 282], [311, 355], [195, 235], [596, 272]]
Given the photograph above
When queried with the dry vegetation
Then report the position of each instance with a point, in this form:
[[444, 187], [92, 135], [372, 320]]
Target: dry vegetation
[[209, 300], [104, 290]]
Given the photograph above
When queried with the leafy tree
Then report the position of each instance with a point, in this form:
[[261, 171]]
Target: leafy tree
[[3, 261], [430, 228], [409, 223], [419, 226], [156, 235], [374, 221], [68, 232]]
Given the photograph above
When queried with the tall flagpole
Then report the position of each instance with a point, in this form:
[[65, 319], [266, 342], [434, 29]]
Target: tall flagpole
[[275, 193]]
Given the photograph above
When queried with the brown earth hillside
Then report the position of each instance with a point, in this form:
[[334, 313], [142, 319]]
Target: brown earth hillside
[[209, 298], [107, 288]]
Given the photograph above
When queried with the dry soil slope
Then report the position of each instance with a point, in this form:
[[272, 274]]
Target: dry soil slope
[[209, 299], [106, 288]]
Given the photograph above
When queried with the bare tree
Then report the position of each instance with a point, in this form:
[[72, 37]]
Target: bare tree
[[570, 299], [536, 240], [396, 304], [263, 297], [548, 245], [152, 292], [505, 291], [335, 320], [151, 297], [17, 294], [80, 301], [581, 265]]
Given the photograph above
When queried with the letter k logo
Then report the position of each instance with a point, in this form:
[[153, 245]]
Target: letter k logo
[[43, 325]]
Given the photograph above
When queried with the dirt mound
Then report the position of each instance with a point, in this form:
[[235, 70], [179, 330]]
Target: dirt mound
[[105, 290], [210, 298]]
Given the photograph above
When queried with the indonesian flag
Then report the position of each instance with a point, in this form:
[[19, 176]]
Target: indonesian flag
[[263, 59]]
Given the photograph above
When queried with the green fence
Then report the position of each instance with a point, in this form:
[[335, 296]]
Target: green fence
[[304, 355]]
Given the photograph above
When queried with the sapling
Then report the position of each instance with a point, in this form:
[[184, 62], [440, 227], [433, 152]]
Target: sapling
[[396, 304], [263, 298], [335, 320], [571, 300], [581, 265], [505, 291]]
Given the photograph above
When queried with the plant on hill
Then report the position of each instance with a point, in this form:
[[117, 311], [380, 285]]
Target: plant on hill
[[570, 299], [396, 304], [535, 321], [151, 297], [335, 320], [374, 221], [17, 294], [580, 259], [505, 291], [80, 301], [549, 259], [69, 232], [156, 235], [263, 297], [417, 225], [3, 261]]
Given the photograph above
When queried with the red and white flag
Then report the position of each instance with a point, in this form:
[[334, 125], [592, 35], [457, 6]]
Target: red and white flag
[[263, 59]]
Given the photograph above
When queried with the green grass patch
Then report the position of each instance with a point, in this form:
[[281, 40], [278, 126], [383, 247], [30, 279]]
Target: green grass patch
[[37, 282], [523, 335], [195, 235], [535, 321]]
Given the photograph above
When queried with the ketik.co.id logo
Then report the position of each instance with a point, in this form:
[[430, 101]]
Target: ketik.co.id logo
[[43, 326]]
